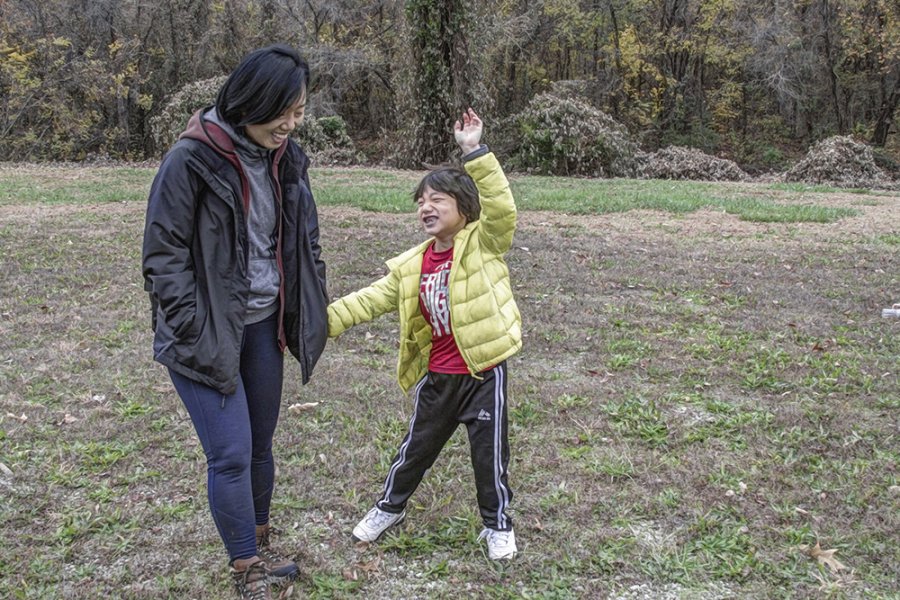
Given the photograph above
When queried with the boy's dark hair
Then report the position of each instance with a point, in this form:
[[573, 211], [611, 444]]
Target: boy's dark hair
[[263, 86], [454, 181]]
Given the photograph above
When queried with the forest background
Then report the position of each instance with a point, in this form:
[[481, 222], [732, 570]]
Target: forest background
[[754, 82], [706, 405]]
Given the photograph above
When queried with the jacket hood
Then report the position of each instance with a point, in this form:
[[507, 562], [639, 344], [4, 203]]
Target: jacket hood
[[203, 128], [207, 131]]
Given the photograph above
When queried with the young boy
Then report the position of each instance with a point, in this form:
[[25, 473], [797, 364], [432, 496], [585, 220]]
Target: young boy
[[458, 325]]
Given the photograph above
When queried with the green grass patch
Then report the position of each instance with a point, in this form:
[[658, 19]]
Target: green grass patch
[[685, 413], [75, 185], [593, 196], [391, 191]]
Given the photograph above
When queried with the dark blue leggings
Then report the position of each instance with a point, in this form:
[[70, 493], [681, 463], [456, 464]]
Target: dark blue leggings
[[236, 433]]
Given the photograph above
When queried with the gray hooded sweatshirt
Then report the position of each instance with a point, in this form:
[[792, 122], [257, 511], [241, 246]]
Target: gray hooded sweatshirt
[[262, 223]]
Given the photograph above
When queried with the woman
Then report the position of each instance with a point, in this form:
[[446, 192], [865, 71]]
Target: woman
[[231, 261]]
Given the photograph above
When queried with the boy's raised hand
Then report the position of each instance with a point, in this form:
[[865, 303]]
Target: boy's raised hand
[[468, 131]]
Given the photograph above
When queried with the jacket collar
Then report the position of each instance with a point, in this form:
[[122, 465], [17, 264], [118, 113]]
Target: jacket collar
[[459, 243], [214, 136]]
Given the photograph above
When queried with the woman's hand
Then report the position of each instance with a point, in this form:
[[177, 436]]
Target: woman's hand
[[468, 132]]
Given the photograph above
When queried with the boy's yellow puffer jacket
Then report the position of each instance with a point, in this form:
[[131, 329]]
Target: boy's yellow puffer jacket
[[483, 314]]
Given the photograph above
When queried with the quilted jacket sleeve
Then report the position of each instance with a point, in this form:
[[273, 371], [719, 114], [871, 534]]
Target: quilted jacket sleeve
[[364, 305], [498, 209]]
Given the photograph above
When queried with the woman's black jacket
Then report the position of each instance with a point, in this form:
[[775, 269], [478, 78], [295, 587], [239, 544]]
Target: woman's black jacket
[[196, 250]]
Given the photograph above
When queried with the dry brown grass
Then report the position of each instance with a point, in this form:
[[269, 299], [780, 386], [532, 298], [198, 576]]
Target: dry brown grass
[[698, 398]]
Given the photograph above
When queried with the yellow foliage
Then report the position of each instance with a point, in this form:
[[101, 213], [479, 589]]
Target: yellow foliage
[[725, 103], [19, 57], [145, 101]]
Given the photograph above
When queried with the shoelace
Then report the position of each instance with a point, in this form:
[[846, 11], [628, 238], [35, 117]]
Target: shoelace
[[253, 584], [494, 536], [270, 532], [269, 555], [378, 518], [264, 538], [265, 549]]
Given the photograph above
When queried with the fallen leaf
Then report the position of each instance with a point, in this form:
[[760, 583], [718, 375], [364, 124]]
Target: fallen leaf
[[303, 407], [825, 557], [370, 566], [350, 574], [361, 546], [604, 376], [22, 418]]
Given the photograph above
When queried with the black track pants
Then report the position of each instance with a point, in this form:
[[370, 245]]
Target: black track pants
[[442, 402]]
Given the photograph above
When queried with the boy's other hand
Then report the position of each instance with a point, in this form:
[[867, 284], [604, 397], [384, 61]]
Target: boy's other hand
[[467, 131]]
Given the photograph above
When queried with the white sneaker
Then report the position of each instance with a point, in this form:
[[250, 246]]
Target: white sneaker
[[501, 544], [375, 523]]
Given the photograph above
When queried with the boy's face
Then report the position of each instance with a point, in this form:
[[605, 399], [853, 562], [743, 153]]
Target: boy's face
[[439, 215]]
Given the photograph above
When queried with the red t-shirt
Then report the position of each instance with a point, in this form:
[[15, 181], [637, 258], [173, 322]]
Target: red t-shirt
[[434, 302]]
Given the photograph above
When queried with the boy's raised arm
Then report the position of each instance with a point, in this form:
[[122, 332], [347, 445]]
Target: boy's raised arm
[[498, 209]]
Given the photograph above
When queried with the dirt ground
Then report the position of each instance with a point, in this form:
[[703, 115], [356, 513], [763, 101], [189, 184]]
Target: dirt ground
[[700, 402]]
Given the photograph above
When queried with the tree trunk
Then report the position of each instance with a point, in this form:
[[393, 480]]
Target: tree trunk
[[441, 77], [827, 18], [886, 115]]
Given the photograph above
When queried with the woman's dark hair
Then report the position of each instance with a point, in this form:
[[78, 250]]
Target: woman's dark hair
[[263, 86], [454, 181]]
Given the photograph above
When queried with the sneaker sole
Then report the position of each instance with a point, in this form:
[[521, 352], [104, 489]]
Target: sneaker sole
[[356, 539]]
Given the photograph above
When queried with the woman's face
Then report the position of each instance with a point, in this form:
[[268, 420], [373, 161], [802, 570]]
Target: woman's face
[[273, 133]]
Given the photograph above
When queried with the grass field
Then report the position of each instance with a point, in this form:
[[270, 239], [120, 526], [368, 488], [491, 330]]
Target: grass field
[[707, 404]]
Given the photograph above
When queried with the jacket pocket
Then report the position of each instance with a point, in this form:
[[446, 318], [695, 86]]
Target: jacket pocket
[[176, 301], [420, 340]]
